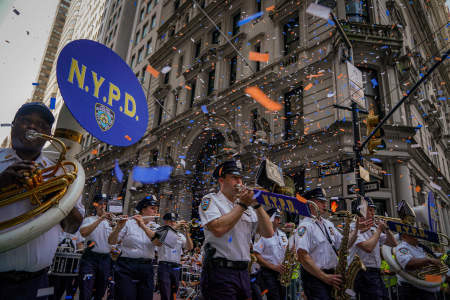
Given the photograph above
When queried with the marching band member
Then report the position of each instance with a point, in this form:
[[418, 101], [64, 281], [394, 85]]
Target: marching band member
[[369, 284], [229, 222], [23, 270], [95, 265], [317, 242], [169, 267], [411, 256], [134, 268], [270, 255]]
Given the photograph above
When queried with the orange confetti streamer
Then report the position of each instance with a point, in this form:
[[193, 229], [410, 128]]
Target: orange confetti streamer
[[264, 292], [94, 151], [188, 87], [270, 8], [310, 85], [340, 76], [262, 99], [256, 56], [152, 71], [128, 138], [301, 199], [418, 189]]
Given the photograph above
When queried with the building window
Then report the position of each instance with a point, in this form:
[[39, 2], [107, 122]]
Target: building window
[[180, 65], [166, 78], [192, 94], [292, 111], [211, 79], [149, 47], [160, 111], [215, 36], [143, 74], [137, 37], [233, 70], [144, 30], [258, 5], [141, 54], [198, 47], [371, 91], [153, 21], [172, 31], [255, 117], [142, 16], [357, 11], [236, 19], [176, 5], [132, 61], [149, 7], [154, 158], [291, 34], [258, 49]]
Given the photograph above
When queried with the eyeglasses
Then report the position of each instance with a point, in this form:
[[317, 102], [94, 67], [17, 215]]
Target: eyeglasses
[[27, 121]]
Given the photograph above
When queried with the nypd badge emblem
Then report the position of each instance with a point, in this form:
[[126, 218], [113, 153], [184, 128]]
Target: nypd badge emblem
[[205, 203], [104, 116], [301, 231]]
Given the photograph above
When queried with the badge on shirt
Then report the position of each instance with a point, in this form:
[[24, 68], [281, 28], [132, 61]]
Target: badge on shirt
[[403, 250], [301, 231], [205, 203], [331, 230]]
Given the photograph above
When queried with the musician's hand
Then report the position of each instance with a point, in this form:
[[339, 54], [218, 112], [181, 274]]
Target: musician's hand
[[246, 197], [17, 173], [381, 225], [107, 216], [333, 280], [279, 268], [122, 221], [139, 220], [434, 261]]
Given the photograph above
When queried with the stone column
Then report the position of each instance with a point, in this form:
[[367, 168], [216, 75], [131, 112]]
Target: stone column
[[446, 221], [402, 185]]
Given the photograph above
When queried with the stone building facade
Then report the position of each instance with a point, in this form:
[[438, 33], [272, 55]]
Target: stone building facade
[[394, 43]]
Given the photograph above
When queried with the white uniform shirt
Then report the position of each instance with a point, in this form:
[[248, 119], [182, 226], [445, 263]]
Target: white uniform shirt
[[235, 244], [135, 242], [372, 259], [404, 252], [39, 252], [70, 240], [172, 255], [313, 240], [99, 235], [272, 249]]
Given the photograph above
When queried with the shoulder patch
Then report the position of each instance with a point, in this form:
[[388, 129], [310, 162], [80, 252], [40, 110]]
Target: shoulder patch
[[403, 250], [301, 231], [205, 203], [331, 230]]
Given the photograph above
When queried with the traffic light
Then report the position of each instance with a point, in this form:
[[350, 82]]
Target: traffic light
[[376, 142], [337, 204]]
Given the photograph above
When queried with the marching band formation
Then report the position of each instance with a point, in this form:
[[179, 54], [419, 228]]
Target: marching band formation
[[247, 252]]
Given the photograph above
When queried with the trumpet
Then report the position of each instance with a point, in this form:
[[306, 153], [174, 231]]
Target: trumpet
[[182, 225], [386, 219]]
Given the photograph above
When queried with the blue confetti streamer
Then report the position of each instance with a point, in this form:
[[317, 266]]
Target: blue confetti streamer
[[204, 109], [35, 83], [376, 160], [52, 103], [250, 18], [374, 82], [387, 12], [118, 172], [330, 22], [230, 239], [152, 175]]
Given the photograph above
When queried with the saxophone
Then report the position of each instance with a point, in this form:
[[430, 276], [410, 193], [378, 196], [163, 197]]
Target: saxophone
[[348, 273], [289, 263]]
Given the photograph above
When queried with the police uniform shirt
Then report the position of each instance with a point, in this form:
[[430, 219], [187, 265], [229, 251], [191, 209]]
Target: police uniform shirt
[[172, 255], [404, 252], [39, 252], [372, 259], [235, 244], [135, 242], [272, 249], [312, 238], [99, 235]]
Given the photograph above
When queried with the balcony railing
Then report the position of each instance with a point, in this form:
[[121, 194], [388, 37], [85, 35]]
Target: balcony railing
[[388, 35]]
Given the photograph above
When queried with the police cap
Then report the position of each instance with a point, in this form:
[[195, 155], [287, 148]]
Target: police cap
[[100, 198], [39, 107], [316, 193], [228, 167], [147, 201]]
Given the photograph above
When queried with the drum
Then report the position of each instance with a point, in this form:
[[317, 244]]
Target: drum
[[65, 264]]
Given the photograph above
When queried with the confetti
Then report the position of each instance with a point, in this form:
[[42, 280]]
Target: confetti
[[35, 83], [256, 56], [435, 186], [166, 69], [310, 85], [52, 103], [318, 10], [418, 189], [152, 71], [5, 125], [152, 175], [16, 11], [374, 82], [301, 199], [250, 18], [118, 172], [204, 109], [270, 8], [94, 151], [230, 239], [188, 87], [262, 99], [128, 138]]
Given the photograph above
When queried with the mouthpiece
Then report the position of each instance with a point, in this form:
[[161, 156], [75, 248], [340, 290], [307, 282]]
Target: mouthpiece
[[31, 135]]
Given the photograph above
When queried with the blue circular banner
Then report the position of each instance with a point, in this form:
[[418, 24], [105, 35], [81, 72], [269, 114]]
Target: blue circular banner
[[102, 92]]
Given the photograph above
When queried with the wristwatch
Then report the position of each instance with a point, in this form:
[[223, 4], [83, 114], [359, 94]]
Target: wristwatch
[[243, 205], [256, 206]]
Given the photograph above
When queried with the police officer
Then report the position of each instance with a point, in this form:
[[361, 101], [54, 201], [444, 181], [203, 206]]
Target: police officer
[[369, 284], [134, 269], [23, 270], [95, 265], [317, 240], [229, 222], [270, 254], [411, 256], [169, 267]]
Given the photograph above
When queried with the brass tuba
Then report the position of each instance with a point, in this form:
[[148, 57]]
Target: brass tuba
[[53, 191]]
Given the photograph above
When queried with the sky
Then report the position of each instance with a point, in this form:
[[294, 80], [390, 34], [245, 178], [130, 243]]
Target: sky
[[20, 59]]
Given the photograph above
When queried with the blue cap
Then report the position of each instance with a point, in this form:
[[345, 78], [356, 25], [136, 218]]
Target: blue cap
[[147, 201], [39, 107], [100, 198], [316, 193], [228, 167]]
